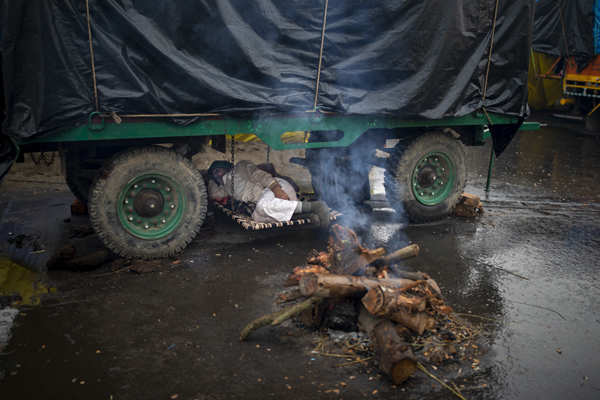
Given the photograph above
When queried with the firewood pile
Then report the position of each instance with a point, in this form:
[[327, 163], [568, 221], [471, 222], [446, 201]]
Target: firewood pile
[[403, 313], [469, 206]]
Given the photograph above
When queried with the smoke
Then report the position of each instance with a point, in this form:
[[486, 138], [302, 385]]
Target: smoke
[[341, 177]]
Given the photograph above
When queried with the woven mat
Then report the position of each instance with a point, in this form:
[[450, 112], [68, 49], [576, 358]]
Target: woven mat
[[249, 224]]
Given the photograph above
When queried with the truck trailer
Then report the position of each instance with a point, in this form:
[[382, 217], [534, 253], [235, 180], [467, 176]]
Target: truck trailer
[[128, 91]]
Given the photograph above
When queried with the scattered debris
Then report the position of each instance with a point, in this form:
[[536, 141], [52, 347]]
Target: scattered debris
[[456, 392], [66, 258], [144, 267]]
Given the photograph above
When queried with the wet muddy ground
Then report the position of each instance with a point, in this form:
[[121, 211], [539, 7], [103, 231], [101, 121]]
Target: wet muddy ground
[[526, 273]]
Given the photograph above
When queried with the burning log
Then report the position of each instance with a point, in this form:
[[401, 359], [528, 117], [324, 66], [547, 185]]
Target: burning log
[[278, 317], [395, 356], [378, 259], [330, 285], [468, 206], [289, 295], [398, 255], [416, 322], [346, 254], [348, 262], [383, 301], [299, 272], [398, 306], [322, 258], [393, 311]]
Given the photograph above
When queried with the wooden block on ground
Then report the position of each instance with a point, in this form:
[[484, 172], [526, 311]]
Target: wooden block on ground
[[463, 210], [470, 200]]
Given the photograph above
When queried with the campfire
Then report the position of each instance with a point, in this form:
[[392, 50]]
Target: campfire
[[403, 313]]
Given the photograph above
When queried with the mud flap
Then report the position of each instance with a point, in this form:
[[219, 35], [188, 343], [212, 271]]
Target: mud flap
[[502, 135]]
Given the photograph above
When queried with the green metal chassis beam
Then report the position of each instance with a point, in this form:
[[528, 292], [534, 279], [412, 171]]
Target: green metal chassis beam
[[268, 129]]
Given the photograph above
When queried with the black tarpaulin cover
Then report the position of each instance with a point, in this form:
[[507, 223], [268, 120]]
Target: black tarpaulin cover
[[565, 28], [402, 58]]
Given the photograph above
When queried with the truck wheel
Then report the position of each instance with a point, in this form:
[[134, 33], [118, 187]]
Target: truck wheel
[[426, 177], [148, 203]]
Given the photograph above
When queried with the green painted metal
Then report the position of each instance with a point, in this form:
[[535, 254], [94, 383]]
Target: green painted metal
[[488, 182], [484, 133], [530, 126], [166, 220], [441, 171], [269, 129]]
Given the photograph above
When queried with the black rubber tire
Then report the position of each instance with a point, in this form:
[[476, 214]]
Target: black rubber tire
[[128, 165], [400, 168], [330, 179]]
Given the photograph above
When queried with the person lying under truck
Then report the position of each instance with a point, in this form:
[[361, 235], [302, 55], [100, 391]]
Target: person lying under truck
[[266, 198]]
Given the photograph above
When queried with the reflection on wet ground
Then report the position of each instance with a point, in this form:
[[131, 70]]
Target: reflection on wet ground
[[558, 163], [527, 271]]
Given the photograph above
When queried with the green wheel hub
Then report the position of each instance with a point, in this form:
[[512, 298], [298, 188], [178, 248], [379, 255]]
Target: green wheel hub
[[433, 178], [151, 206]]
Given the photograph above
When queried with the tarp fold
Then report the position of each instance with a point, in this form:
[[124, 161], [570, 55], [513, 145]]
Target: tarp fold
[[424, 59]]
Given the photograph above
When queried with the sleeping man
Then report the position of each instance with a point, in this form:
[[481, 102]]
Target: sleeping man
[[269, 198]]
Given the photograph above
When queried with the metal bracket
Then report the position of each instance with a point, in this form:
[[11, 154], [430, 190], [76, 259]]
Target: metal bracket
[[93, 123]]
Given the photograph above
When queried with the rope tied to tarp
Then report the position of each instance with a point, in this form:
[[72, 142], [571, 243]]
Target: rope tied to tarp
[[490, 54], [94, 81], [484, 95], [320, 66], [117, 117]]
